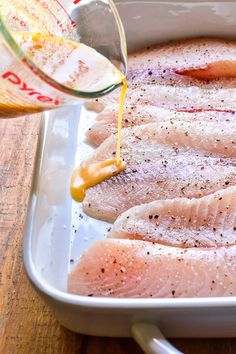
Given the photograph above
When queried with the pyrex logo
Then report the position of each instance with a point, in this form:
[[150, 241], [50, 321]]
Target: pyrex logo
[[16, 80]]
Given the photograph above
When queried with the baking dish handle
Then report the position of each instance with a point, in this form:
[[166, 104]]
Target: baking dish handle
[[151, 340]]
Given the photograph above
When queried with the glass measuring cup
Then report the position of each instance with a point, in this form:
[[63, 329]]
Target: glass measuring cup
[[26, 84]]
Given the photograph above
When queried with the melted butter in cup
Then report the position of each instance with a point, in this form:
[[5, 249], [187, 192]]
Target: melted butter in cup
[[88, 175]]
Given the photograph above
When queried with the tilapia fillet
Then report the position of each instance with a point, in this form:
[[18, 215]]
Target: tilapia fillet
[[198, 97], [202, 58], [128, 268], [169, 160], [205, 222], [106, 121], [187, 75]]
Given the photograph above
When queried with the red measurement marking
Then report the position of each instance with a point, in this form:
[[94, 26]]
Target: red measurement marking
[[23, 86], [61, 26], [76, 1], [71, 21], [21, 22]]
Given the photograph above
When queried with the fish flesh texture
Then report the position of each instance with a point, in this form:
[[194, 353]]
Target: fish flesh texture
[[106, 121], [181, 99], [140, 269], [205, 222], [164, 161], [176, 233], [184, 75], [201, 58]]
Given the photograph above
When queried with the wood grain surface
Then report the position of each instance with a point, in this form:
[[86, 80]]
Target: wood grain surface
[[26, 324]]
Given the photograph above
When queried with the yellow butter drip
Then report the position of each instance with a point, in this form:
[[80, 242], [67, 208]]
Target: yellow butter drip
[[88, 175], [121, 106]]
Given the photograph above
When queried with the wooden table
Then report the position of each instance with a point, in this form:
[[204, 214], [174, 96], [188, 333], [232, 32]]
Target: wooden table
[[26, 324]]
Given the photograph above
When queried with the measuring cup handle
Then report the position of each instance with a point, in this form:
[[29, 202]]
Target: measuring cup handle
[[151, 340]]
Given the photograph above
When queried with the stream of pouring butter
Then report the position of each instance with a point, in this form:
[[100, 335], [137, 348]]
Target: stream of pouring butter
[[120, 114], [88, 175]]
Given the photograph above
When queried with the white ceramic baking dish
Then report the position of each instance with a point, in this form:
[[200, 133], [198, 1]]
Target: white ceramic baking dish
[[57, 231]]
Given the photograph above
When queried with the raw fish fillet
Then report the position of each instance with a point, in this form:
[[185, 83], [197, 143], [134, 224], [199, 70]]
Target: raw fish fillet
[[182, 99], [106, 121], [129, 268], [216, 57], [169, 160], [205, 222], [194, 98], [182, 75]]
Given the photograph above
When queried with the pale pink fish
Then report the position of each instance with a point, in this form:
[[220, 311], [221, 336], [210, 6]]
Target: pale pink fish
[[106, 121], [169, 160], [173, 97], [139, 269], [198, 58], [189, 75], [205, 222]]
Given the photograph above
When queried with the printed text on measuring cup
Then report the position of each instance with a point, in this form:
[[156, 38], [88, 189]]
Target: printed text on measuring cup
[[16, 80]]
